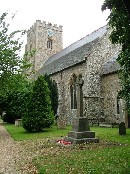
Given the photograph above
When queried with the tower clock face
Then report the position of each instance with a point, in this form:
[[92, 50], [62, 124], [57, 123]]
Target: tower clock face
[[50, 32]]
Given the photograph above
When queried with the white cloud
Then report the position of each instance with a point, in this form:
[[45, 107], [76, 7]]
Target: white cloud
[[78, 17]]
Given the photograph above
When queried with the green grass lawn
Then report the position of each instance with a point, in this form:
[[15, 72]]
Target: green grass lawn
[[95, 160], [19, 133], [111, 134], [106, 134], [110, 156]]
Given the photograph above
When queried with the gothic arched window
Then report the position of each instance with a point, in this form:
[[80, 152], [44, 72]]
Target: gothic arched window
[[118, 105], [49, 44], [73, 92]]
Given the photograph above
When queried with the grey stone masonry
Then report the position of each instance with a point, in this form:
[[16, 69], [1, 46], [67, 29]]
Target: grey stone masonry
[[38, 38]]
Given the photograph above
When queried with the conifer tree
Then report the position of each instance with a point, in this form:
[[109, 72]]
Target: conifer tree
[[53, 92], [39, 115]]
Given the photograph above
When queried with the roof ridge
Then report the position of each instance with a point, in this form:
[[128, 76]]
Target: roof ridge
[[86, 35], [88, 38]]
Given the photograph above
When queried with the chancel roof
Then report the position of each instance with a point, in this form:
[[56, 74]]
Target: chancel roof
[[73, 54], [110, 66]]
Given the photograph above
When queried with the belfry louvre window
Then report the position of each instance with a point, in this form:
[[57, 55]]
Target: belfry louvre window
[[49, 44], [73, 92]]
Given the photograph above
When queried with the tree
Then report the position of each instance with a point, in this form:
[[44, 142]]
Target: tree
[[119, 22], [11, 60], [127, 5], [39, 115], [14, 97], [13, 84], [53, 92], [10, 47]]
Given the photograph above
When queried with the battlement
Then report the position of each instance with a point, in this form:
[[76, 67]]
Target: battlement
[[44, 24]]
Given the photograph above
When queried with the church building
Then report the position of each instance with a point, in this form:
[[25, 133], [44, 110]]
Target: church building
[[92, 57]]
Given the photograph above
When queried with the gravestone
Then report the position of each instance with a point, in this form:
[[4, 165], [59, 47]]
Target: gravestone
[[80, 127], [18, 122], [122, 129]]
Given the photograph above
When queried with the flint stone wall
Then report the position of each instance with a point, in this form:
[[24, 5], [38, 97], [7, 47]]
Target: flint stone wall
[[87, 60], [110, 89], [94, 95], [63, 83]]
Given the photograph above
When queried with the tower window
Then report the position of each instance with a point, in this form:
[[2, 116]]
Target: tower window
[[49, 44]]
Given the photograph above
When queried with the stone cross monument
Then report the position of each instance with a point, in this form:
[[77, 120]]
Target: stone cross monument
[[79, 85], [80, 127]]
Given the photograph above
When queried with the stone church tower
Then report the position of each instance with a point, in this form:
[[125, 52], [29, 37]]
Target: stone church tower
[[46, 40]]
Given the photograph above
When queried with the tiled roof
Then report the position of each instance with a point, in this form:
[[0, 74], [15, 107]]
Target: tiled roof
[[73, 54], [110, 66]]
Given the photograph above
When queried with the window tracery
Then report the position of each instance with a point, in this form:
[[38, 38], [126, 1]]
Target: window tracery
[[73, 92]]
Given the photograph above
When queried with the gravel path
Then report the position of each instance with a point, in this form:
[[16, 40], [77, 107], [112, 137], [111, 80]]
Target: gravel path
[[15, 157], [7, 153]]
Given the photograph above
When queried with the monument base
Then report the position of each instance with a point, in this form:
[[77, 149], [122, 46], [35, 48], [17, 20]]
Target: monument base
[[81, 141], [81, 132]]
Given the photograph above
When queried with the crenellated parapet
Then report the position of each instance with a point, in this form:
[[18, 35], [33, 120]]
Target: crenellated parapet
[[44, 24]]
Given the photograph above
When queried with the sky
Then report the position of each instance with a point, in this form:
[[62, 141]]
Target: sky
[[78, 17]]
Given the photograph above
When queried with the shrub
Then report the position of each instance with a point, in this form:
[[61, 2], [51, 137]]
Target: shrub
[[53, 93], [16, 106], [39, 115], [2, 104], [14, 96]]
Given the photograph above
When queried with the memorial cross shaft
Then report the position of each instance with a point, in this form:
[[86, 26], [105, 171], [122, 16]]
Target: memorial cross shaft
[[79, 85]]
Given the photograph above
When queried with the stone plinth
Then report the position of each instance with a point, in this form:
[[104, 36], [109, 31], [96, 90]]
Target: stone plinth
[[80, 135], [82, 140], [81, 132], [80, 124]]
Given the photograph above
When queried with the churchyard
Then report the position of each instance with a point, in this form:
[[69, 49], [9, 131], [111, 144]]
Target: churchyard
[[35, 144], [44, 155]]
